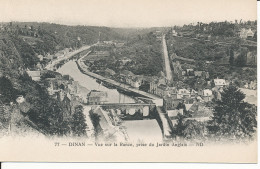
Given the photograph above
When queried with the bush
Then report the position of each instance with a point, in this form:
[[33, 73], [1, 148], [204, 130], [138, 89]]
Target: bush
[[190, 129], [79, 122], [233, 117]]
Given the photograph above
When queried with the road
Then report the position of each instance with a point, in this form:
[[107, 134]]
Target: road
[[51, 65], [168, 70], [156, 100], [167, 126]]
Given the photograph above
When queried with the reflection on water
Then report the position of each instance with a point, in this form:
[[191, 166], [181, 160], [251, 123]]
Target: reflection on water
[[143, 130], [138, 130], [70, 68]]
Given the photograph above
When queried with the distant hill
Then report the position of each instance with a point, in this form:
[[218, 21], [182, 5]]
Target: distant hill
[[49, 37], [133, 32]]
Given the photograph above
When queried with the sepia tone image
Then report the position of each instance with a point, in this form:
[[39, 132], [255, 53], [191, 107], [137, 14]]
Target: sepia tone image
[[138, 81]]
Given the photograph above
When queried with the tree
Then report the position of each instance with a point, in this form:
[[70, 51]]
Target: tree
[[189, 129], [233, 116], [7, 92], [241, 60], [79, 122], [180, 127], [95, 118], [242, 57], [194, 129], [231, 57], [255, 36]]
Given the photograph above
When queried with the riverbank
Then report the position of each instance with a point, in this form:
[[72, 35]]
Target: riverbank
[[147, 96]]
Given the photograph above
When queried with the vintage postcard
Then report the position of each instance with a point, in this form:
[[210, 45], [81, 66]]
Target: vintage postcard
[[128, 81]]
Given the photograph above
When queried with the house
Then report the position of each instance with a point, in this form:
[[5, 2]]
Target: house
[[35, 75], [49, 56], [193, 93], [183, 93], [97, 97], [136, 82], [125, 60], [198, 73], [174, 33], [128, 80], [158, 34], [209, 62], [40, 57], [183, 73], [73, 87], [67, 78], [191, 107], [250, 33], [127, 73], [171, 102], [219, 83], [174, 113], [253, 85], [59, 55], [207, 75], [217, 93], [108, 42], [38, 66], [207, 95], [199, 110], [163, 90], [190, 72], [246, 33], [20, 99], [202, 74], [154, 85]]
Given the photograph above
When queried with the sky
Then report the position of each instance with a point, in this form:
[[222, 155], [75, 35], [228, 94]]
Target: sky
[[127, 13]]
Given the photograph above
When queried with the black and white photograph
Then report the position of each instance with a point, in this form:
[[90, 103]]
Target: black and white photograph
[[128, 81]]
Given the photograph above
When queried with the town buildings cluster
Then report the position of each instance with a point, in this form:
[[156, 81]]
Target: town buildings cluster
[[192, 99], [243, 30]]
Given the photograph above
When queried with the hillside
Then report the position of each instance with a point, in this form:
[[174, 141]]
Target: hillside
[[39, 108], [47, 37], [20, 44]]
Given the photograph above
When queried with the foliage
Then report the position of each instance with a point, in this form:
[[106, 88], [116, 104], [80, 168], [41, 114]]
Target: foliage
[[241, 59], [55, 36], [26, 51], [46, 112], [194, 130], [144, 87], [79, 122], [48, 74], [95, 118], [233, 116], [145, 52], [189, 129], [180, 127], [231, 57], [7, 92]]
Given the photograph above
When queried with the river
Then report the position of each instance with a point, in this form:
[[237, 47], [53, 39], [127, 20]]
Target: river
[[139, 130], [70, 68]]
